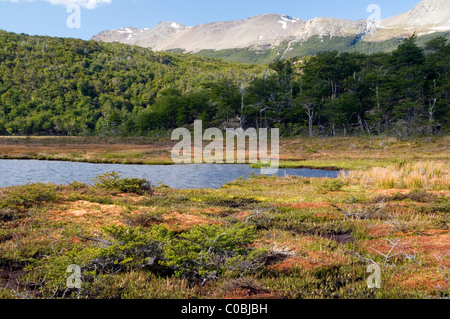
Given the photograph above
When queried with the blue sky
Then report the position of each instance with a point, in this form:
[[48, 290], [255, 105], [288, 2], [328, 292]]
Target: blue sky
[[48, 17]]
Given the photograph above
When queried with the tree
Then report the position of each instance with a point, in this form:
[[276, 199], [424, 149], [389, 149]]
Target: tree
[[312, 115]]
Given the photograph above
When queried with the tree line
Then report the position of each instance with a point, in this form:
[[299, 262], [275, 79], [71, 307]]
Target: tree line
[[56, 86]]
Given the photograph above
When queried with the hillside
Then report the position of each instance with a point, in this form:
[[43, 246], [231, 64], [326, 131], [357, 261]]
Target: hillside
[[64, 86], [312, 46], [57, 86]]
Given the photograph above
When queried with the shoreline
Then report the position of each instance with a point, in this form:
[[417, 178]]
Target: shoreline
[[338, 153], [283, 165]]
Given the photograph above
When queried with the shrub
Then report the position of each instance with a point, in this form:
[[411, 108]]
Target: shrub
[[244, 283], [435, 208], [77, 185], [29, 195], [234, 202], [49, 275], [114, 182], [417, 196], [7, 214], [201, 254], [145, 219], [205, 251], [131, 248], [333, 185]]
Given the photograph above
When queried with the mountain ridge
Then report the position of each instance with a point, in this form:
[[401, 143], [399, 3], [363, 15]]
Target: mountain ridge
[[268, 31]]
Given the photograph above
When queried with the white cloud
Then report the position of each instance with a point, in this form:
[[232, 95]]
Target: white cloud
[[88, 4]]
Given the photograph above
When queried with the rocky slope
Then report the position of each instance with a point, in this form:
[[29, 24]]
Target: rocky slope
[[268, 31], [428, 14]]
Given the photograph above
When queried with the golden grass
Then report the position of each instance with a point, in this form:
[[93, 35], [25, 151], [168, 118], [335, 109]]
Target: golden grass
[[422, 174]]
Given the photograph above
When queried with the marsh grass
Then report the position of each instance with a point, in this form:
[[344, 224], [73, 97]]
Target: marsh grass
[[44, 228], [433, 175], [142, 285]]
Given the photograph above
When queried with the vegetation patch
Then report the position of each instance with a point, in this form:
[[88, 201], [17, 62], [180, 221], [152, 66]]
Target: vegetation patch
[[112, 181], [28, 195]]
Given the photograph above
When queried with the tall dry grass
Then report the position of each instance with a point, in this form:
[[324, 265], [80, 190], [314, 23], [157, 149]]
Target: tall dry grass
[[422, 174]]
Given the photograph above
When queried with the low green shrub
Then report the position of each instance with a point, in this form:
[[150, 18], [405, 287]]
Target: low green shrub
[[418, 196], [77, 185], [131, 248], [145, 219], [234, 202], [332, 185], [435, 208], [112, 181], [199, 255], [29, 195], [207, 252]]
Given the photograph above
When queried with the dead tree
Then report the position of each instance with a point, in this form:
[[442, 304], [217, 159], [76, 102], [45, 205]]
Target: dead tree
[[312, 115]]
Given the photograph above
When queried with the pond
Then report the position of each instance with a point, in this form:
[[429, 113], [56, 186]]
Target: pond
[[20, 172]]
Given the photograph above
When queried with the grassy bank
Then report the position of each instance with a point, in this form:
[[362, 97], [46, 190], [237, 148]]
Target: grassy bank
[[148, 151], [264, 237], [322, 153]]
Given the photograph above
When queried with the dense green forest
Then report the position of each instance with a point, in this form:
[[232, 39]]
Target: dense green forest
[[73, 87], [58, 86]]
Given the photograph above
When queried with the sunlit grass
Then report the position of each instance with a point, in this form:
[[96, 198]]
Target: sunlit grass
[[346, 153], [423, 174]]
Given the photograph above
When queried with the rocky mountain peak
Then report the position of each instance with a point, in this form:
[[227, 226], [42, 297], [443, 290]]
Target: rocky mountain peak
[[270, 30]]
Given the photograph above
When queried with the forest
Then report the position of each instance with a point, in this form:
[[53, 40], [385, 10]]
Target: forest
[[71, 87]]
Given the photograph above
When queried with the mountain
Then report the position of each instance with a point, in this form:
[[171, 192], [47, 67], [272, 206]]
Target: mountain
[[148, 37], [268, 37], [427, 15], [264, 31]]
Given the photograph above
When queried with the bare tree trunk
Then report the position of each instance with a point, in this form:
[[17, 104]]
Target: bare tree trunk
[[377, 94], [242, 120], [431, 112], [367, 127], [361, 124], [311, 113]]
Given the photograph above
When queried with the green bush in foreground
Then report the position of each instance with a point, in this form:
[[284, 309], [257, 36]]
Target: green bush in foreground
[[333, 185], [208, 252], [28, 195], [114, 182], [205, 253]]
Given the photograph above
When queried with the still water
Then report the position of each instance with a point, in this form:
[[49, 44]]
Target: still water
[[20, 172]]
